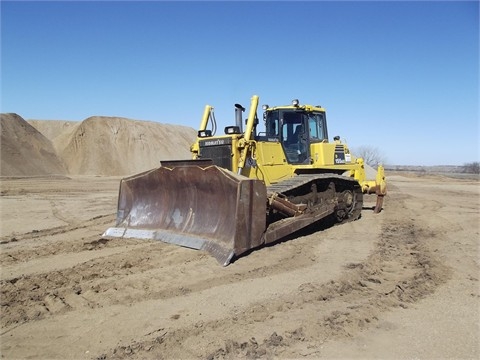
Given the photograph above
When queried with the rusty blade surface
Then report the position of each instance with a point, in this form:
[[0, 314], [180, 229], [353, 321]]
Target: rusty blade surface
[[197, 206]]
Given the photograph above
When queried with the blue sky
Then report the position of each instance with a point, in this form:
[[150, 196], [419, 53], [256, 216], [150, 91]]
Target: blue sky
[[399, 76]]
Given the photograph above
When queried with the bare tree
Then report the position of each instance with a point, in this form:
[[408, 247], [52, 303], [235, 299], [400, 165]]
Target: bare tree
[[371, 155], [472, 168]]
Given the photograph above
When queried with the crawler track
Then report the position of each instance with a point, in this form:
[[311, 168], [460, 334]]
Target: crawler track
[[319, 196]]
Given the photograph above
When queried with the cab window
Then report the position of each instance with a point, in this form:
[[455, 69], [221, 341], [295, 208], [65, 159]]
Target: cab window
[[316, 124]]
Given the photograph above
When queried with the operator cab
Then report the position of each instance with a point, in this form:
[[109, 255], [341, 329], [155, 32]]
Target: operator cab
[[296, 127]]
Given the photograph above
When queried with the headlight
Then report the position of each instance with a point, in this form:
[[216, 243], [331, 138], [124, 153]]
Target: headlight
[[204, 133], [230, 130]]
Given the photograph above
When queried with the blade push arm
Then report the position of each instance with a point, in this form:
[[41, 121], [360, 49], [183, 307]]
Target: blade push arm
[[245, 144]]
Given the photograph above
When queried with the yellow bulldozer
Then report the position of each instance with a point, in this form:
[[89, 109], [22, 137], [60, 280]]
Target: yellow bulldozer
[[244, 189]]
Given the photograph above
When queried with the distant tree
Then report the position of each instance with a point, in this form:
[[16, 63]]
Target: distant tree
[[371, 155], [472, 168]]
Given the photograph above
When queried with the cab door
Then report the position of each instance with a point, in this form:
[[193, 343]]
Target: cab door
[[294, 137]]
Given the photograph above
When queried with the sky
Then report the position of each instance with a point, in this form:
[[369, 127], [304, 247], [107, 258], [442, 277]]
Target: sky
[[398, 76]]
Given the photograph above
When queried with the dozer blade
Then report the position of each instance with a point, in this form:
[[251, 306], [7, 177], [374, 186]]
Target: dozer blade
[[194, 205]]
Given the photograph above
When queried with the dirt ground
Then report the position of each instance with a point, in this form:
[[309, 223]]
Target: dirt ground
[[403, 284]]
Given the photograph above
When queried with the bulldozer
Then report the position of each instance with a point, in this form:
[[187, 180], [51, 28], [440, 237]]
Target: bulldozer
[[247, 188]]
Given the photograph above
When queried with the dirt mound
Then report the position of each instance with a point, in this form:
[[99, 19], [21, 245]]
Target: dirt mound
[[96, 146], [53, 128], [25, 151], [119, 146]]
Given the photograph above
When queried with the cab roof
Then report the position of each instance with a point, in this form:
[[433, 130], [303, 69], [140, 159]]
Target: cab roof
[[304, 107]]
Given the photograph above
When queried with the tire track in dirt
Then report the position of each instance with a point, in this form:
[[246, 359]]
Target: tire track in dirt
[[66, 239], [401, 270], [116, 279], [216, 301], [100, 220], [38, 207], [37, 295], [119, 277], [13, 186], [28, 284]]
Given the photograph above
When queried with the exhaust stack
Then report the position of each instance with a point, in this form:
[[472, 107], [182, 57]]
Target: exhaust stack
[[238, 116]]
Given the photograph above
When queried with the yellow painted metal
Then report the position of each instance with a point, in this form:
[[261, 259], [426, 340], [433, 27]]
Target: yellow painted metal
[[269, 161], [271, 165], [381, 181], [206, 115], [251, 117], [246, 143], [323, 154], [304, 107], [377, 185], [236, 155], [195, 149]]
